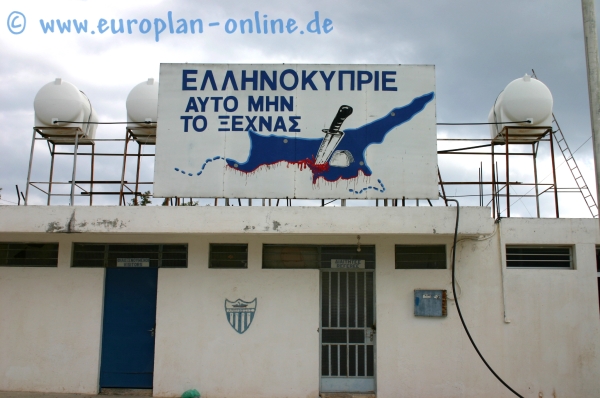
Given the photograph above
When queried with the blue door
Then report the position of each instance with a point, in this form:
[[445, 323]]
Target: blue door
[[128, 328]]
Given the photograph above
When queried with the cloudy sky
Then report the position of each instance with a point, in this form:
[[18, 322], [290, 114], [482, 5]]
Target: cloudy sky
[[477, 47]]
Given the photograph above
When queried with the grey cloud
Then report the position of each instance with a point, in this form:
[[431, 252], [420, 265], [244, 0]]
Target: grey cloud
[[477, 47]]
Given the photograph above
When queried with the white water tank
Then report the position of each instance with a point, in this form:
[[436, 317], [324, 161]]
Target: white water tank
[[142, 108], [62, 101], [523, 99]]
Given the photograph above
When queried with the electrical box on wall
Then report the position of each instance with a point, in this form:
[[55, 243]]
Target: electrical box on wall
[[430, 303]]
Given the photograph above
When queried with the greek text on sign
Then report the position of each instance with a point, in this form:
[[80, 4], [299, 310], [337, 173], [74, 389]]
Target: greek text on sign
[[133, 262], [296, 131], [347, 263]]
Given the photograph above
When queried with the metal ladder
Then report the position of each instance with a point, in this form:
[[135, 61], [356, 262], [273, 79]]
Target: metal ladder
[[570, 160]]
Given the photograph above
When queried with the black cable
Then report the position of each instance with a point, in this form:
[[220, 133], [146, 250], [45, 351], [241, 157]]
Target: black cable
[[66, 121], [478, 124], [458, 307]]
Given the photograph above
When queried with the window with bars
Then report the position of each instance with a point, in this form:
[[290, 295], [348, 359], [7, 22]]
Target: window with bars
[[315, 256], [228, 255], [28, 254], [420, 256], [553, 257], [290, 256], [108, 255]]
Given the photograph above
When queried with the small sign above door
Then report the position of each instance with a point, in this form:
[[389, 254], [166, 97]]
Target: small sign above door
[[133, 262], [337, 263]]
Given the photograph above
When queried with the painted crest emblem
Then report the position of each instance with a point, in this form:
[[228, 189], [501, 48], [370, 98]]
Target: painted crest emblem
[[240, 314]]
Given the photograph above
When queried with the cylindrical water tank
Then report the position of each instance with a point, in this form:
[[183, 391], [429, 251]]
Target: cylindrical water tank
[[142, 106], [523, 99], [62, 101]]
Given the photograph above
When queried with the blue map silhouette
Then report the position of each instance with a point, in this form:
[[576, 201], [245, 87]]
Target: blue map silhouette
[[272, 149]]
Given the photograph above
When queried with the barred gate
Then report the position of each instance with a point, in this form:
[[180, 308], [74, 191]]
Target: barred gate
[[347, 330]]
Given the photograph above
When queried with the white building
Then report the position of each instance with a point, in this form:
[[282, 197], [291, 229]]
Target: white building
[[270, 302], [538, 327]]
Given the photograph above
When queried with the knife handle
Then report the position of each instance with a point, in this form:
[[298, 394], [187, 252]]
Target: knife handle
[[342, 114]]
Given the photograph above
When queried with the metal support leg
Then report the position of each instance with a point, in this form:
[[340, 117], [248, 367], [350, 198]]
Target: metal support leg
[[137, 175], [121, 191], [507, 180], [535, 177], [554, 173], [92, 174], [29, 171], [494, 193], [76, 149], [52, 150], [441, 186]]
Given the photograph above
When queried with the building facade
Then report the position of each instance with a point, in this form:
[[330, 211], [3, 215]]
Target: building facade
[[255, 306]]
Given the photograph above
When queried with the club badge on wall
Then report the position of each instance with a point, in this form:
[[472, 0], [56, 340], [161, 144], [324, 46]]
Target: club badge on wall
[[240, 314]]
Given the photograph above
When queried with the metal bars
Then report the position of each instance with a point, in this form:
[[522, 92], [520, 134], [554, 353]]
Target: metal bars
[[539, 257], [347, 324], [107, 254]]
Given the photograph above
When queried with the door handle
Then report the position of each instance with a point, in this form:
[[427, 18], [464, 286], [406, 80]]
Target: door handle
[[152, 332]]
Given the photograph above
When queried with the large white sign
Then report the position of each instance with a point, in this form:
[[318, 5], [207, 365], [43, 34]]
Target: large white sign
[[296, 131]]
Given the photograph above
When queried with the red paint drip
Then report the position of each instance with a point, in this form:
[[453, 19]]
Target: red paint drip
[[316, 169], [310, 163]]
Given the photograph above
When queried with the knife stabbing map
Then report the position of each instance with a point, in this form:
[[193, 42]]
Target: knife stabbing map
[[309, 118]]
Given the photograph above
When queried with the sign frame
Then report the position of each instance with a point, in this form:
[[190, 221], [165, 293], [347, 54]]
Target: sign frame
[[296, 131]]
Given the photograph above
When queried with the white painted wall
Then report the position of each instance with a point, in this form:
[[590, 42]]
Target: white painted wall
[[551, 345], [277, 356], [51, 318], [50, 324], [557, 309]]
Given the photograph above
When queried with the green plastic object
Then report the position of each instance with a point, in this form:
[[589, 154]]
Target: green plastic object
[[191, 394]]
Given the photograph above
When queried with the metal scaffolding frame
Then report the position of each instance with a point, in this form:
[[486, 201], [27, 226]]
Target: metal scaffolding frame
[[55, 136], [74, 137], [146, 135], [143, 136], [509, 137]]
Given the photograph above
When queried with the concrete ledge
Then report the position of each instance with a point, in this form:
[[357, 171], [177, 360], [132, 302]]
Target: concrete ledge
[[245, 220]]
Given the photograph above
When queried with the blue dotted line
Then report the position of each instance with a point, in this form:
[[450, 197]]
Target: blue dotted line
[[203, 166], [382, 189]]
